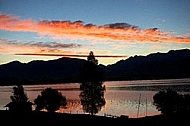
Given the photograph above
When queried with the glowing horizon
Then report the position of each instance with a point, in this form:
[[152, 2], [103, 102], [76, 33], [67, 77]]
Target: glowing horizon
[[74, 55]]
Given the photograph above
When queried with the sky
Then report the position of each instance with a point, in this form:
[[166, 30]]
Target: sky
[[114, 29]]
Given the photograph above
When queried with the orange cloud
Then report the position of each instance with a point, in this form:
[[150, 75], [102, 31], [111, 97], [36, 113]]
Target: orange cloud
[[11, 23], [78, 30]]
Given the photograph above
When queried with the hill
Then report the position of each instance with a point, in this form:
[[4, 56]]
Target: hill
[[173, 64]]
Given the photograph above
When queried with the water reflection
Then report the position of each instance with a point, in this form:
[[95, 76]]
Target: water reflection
[[115, 107], [73, 106]]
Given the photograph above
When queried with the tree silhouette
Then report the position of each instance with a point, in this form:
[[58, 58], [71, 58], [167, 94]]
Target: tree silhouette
[[20, 101], [92, 89], [50, 99], [169, 101], [19, 94]]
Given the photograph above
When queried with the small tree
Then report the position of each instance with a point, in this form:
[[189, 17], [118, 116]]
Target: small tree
[[19, 94], [50, 99], [20, 101]]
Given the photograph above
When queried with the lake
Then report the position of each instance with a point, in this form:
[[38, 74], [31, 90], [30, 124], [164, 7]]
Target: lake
[[130, 98]]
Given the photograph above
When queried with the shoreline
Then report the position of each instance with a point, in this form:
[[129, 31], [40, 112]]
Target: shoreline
[[35, 117]]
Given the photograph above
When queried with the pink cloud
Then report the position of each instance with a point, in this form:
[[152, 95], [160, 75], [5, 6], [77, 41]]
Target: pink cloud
[[79, 30]]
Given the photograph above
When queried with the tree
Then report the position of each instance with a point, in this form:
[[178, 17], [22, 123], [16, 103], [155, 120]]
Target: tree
[[168, 101], [92, 89], [19, 94], [20, 101], [50, 99], [90, 72]]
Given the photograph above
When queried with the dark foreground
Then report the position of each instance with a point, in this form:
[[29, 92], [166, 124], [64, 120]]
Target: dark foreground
[[45, 118]]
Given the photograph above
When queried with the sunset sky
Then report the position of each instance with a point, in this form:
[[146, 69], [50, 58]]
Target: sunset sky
[[109, 28]]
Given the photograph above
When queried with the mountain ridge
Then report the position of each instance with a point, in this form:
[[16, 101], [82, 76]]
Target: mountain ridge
[[143, 67], [173, 64]]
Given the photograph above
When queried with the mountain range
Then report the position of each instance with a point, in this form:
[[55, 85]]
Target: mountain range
[[173, 64]]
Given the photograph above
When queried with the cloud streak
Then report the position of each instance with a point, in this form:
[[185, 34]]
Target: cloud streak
[[79, 30], [16, 46], [65, 55]]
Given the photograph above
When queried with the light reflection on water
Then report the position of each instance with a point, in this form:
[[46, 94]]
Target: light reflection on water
[[122, 97]]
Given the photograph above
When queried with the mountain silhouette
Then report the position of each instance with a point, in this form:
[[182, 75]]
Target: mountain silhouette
[[173, 64], [52, 71]]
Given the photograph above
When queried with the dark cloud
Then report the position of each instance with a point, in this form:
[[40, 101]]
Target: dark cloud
[[50, 45], [53, 45], [120, 26], [65, 55]]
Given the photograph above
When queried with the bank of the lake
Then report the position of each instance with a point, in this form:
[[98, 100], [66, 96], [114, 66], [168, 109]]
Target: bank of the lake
[[45, 118], [122, 97]]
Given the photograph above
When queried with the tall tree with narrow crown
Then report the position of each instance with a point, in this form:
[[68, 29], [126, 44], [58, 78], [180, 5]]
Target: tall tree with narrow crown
[[92, 88]]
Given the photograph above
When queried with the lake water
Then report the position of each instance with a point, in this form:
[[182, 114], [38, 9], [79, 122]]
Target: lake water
[[130, 98]]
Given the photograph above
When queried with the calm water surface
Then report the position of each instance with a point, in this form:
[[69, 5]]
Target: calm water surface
[[131, 98]]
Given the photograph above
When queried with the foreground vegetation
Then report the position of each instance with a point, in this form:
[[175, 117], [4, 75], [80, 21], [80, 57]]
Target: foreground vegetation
[[173, 106], [47, 118]]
